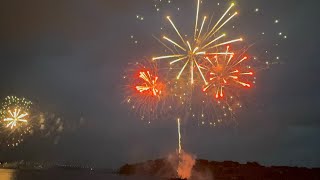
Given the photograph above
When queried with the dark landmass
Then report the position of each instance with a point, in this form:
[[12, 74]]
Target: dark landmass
[[226, 170]]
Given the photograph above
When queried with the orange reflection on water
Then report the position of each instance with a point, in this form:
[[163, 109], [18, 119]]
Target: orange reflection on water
[[7, 174]]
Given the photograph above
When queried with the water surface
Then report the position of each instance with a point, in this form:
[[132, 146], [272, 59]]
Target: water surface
[[9, 174]]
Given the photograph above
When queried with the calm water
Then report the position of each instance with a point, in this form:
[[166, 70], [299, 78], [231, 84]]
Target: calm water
[[7, 174]]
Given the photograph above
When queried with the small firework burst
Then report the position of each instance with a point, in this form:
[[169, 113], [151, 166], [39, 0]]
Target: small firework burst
[[146, 90], [227, 72], [14, 114]]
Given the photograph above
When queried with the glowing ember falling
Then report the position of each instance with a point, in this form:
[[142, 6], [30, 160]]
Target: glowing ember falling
[[226, 71], [191, 53]]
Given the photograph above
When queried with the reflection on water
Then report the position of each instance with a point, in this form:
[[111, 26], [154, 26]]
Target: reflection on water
[[7, 174]]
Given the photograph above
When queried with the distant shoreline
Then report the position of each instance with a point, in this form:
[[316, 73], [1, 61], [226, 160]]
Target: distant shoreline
[[160, 168]]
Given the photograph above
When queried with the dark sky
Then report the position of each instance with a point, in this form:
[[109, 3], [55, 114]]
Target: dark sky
[[69, 56]]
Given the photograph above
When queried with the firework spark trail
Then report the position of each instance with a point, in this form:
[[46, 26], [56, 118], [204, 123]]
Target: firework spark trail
[[191, 53], [179, 136]]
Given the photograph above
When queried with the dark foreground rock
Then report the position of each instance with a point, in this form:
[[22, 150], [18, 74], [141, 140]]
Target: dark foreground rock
[[226, 170]]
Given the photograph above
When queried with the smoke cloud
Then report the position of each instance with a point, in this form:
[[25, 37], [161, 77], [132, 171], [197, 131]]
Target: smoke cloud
[[185, 165]]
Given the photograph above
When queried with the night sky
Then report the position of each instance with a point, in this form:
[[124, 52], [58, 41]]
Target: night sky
[[69, 57]]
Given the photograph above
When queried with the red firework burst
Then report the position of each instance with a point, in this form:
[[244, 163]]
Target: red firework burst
[[145, 90], [227, 71]]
